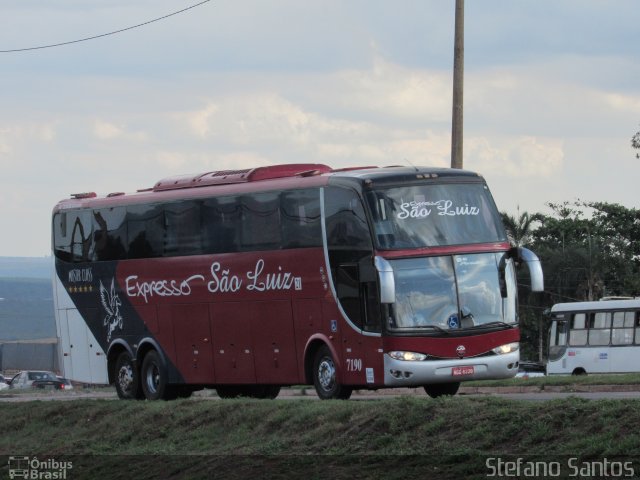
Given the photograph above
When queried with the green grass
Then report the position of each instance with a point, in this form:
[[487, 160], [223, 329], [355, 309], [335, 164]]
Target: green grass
[[405, 436]]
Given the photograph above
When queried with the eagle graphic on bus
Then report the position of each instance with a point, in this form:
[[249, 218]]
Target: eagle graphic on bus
[[111, 304]]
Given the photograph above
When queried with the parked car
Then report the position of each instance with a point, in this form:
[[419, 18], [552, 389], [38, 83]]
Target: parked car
[[67, 383], [4, 379], [531, 369], [3, 385], [36, 379]]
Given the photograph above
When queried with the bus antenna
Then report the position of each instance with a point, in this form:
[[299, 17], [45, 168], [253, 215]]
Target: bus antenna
[[411, 164]]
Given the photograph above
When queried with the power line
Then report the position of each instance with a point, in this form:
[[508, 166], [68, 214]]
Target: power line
[[104, 34]]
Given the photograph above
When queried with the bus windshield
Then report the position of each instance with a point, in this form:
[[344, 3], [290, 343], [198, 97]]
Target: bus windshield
[[464, 291], [420, 216]]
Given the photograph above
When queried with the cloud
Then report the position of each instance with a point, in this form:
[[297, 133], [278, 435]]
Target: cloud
[[396, 91], [104, 130], [200, 120], [18, 140], [516, 157], [623, 103]]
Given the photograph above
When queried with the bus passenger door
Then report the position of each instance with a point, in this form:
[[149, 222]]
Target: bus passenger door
[[357, 291], [350, 253], [349, 292]]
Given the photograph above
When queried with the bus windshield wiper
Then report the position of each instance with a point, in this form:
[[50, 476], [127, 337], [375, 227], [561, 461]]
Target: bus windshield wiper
[[437, 329], [504, 325]]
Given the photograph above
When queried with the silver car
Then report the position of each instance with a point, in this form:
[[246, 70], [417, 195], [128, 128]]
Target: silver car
[[26, 378]]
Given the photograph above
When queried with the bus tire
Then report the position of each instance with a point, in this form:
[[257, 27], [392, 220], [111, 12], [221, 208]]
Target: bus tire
[[325, 377], [127, 378], [579, 371], [442, 389], [153, 376]]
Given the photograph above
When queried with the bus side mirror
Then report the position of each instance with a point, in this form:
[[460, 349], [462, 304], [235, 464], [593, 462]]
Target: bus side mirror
[[531, 260], [386, 280]]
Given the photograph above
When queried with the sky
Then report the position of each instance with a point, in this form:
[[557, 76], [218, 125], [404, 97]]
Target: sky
[[551, 96]]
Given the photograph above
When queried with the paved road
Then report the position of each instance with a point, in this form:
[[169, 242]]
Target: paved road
[[295, 394]]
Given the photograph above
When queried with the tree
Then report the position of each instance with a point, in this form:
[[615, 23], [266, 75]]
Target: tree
[[519, 230], [635, 142], [588, 250]]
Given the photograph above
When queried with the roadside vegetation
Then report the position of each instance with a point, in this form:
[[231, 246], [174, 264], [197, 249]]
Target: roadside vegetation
[[387, 438], [588, 250]]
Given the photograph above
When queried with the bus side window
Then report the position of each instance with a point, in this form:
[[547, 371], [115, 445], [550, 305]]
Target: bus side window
[[260, 227], [347, 229], [637, 325], [221, 219], [300, 217], [578, 332], [110, 234], [145, 231], [599, 328], [72, 236], [558, 335], [622, 333], [61, 243], [183, 229]]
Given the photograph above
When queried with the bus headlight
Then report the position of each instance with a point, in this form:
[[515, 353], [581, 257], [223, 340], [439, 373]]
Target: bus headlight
[[507, 348], [408, 356]]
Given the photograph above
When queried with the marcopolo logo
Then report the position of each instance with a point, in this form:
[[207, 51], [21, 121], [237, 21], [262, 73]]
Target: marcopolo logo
[[36, 469]]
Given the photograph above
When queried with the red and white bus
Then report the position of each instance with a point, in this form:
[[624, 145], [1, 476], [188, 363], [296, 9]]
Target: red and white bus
[[249, 280]]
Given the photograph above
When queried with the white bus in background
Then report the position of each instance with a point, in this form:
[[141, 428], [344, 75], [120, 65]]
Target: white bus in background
[[595, 337]]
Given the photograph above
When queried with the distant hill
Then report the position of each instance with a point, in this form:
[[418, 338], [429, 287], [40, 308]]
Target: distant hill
[[26, 298], [26, 267]]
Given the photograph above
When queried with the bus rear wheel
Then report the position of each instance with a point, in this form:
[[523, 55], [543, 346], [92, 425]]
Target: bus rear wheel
[[154, 378], [127, 379], [325, 377], [442, 389]]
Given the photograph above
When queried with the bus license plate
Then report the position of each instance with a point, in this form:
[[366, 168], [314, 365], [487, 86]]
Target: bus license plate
[[461, 371]]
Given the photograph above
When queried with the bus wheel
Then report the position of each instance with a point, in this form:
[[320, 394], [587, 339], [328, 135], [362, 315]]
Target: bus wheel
[[442, 389], [154, 378], [127, 379], [579, 371], [325, 377]]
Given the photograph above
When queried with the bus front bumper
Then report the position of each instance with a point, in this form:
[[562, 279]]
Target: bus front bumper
[[401, 373]]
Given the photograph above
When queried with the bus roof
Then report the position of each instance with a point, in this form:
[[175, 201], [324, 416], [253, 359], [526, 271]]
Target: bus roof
[[596, 306], [227, 182]]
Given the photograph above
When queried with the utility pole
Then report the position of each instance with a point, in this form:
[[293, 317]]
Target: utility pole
[[458, 86]]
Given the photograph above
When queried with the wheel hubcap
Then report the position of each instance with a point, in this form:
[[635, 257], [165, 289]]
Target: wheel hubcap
[[153, 378], [326, 374], [125, 378]]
